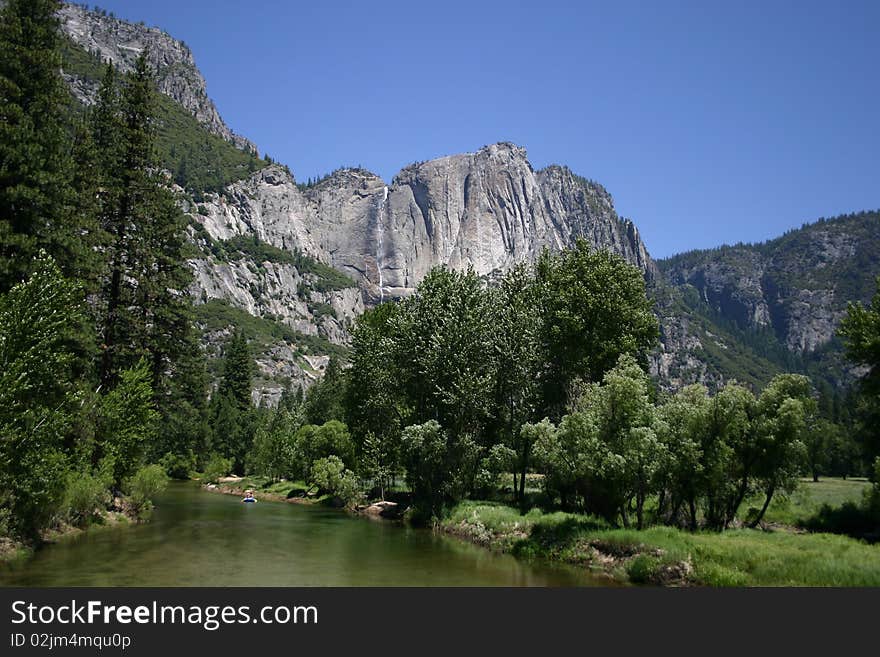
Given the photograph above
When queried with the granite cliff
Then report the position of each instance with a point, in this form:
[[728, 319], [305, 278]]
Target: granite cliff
[[298, 263]]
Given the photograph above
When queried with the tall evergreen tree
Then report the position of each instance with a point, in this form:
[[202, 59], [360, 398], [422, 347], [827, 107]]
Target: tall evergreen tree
[[238, 370], [148, 311], [35, 168]]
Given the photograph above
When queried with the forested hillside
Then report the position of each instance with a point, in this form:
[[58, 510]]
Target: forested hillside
[[760, 309]]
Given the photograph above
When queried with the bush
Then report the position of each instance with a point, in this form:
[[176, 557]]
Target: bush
[[83, 495], [142, 486], [178, 466], [331, 476], [217, 467]]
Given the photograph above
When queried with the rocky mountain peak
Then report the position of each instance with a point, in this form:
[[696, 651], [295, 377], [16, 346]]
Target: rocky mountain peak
[[121, 43]]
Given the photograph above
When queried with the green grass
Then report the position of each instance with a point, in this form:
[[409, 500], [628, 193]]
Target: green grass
[[660, 555], [809, 497]]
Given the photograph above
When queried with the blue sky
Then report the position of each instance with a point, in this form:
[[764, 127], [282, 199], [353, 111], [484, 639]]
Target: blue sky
[[709, 122]]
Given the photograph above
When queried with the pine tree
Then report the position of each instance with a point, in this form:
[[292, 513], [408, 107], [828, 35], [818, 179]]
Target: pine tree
[[148, 311], [35, 167], [238, 367]]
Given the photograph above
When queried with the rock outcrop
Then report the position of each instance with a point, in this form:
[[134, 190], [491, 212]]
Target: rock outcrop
[[797, 285], [487, 210], [120, 42]]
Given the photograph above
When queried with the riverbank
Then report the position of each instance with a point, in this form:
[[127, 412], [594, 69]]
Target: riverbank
[[662, 556], [292, 492], [12, 550], [667, 556], [295, 492]]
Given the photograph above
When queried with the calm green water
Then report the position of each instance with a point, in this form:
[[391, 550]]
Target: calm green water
[[198, 538]]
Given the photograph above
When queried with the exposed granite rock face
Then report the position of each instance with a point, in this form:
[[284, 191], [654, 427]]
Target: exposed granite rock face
[[488, 210], [675, 363], [797, 285], [122, 42]]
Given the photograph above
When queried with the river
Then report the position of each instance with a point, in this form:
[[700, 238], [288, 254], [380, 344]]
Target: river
[[197, 538]]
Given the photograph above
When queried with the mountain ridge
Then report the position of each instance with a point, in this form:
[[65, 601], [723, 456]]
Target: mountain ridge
[[729, 312]]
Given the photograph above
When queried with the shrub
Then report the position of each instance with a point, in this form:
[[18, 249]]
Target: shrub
[[330, 475], [217, 467], [142, 486], [83, 495], [178, 466]]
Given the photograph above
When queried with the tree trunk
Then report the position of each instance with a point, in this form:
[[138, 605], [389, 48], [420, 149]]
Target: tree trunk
[[692, 504], [760, 517]]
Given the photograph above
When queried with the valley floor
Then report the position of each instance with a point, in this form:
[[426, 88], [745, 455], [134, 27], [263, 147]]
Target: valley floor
[[780, 555]]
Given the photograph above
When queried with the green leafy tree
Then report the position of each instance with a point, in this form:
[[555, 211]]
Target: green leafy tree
[[784, 408], [316, 442], [127, 422], [687, 417], [731, 454], [518, 365], [608, 450], [378, 463], [374, 402], [143, 486], [325, 400], [440, 467], [819, 439], [330, 475], [445, 330], [594, 308], [274, 451], [217, 467], [860, 330], [37, 397]]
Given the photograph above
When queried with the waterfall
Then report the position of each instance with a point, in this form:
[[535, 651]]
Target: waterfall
[[380, 230]]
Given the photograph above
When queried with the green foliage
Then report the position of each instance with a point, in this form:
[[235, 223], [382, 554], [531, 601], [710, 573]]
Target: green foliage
[[699, 457], [606, 456], [378, 462], [374, 404], [127, 422], [860, 330], [313, 443], [179, 466], [594, 308], [325, 400], [238, 370], [330, 475], [36, 193], [216, 468], [519, 366], [37, 400], [83, 496], [440, 467], [143, 486], [274, 451]]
